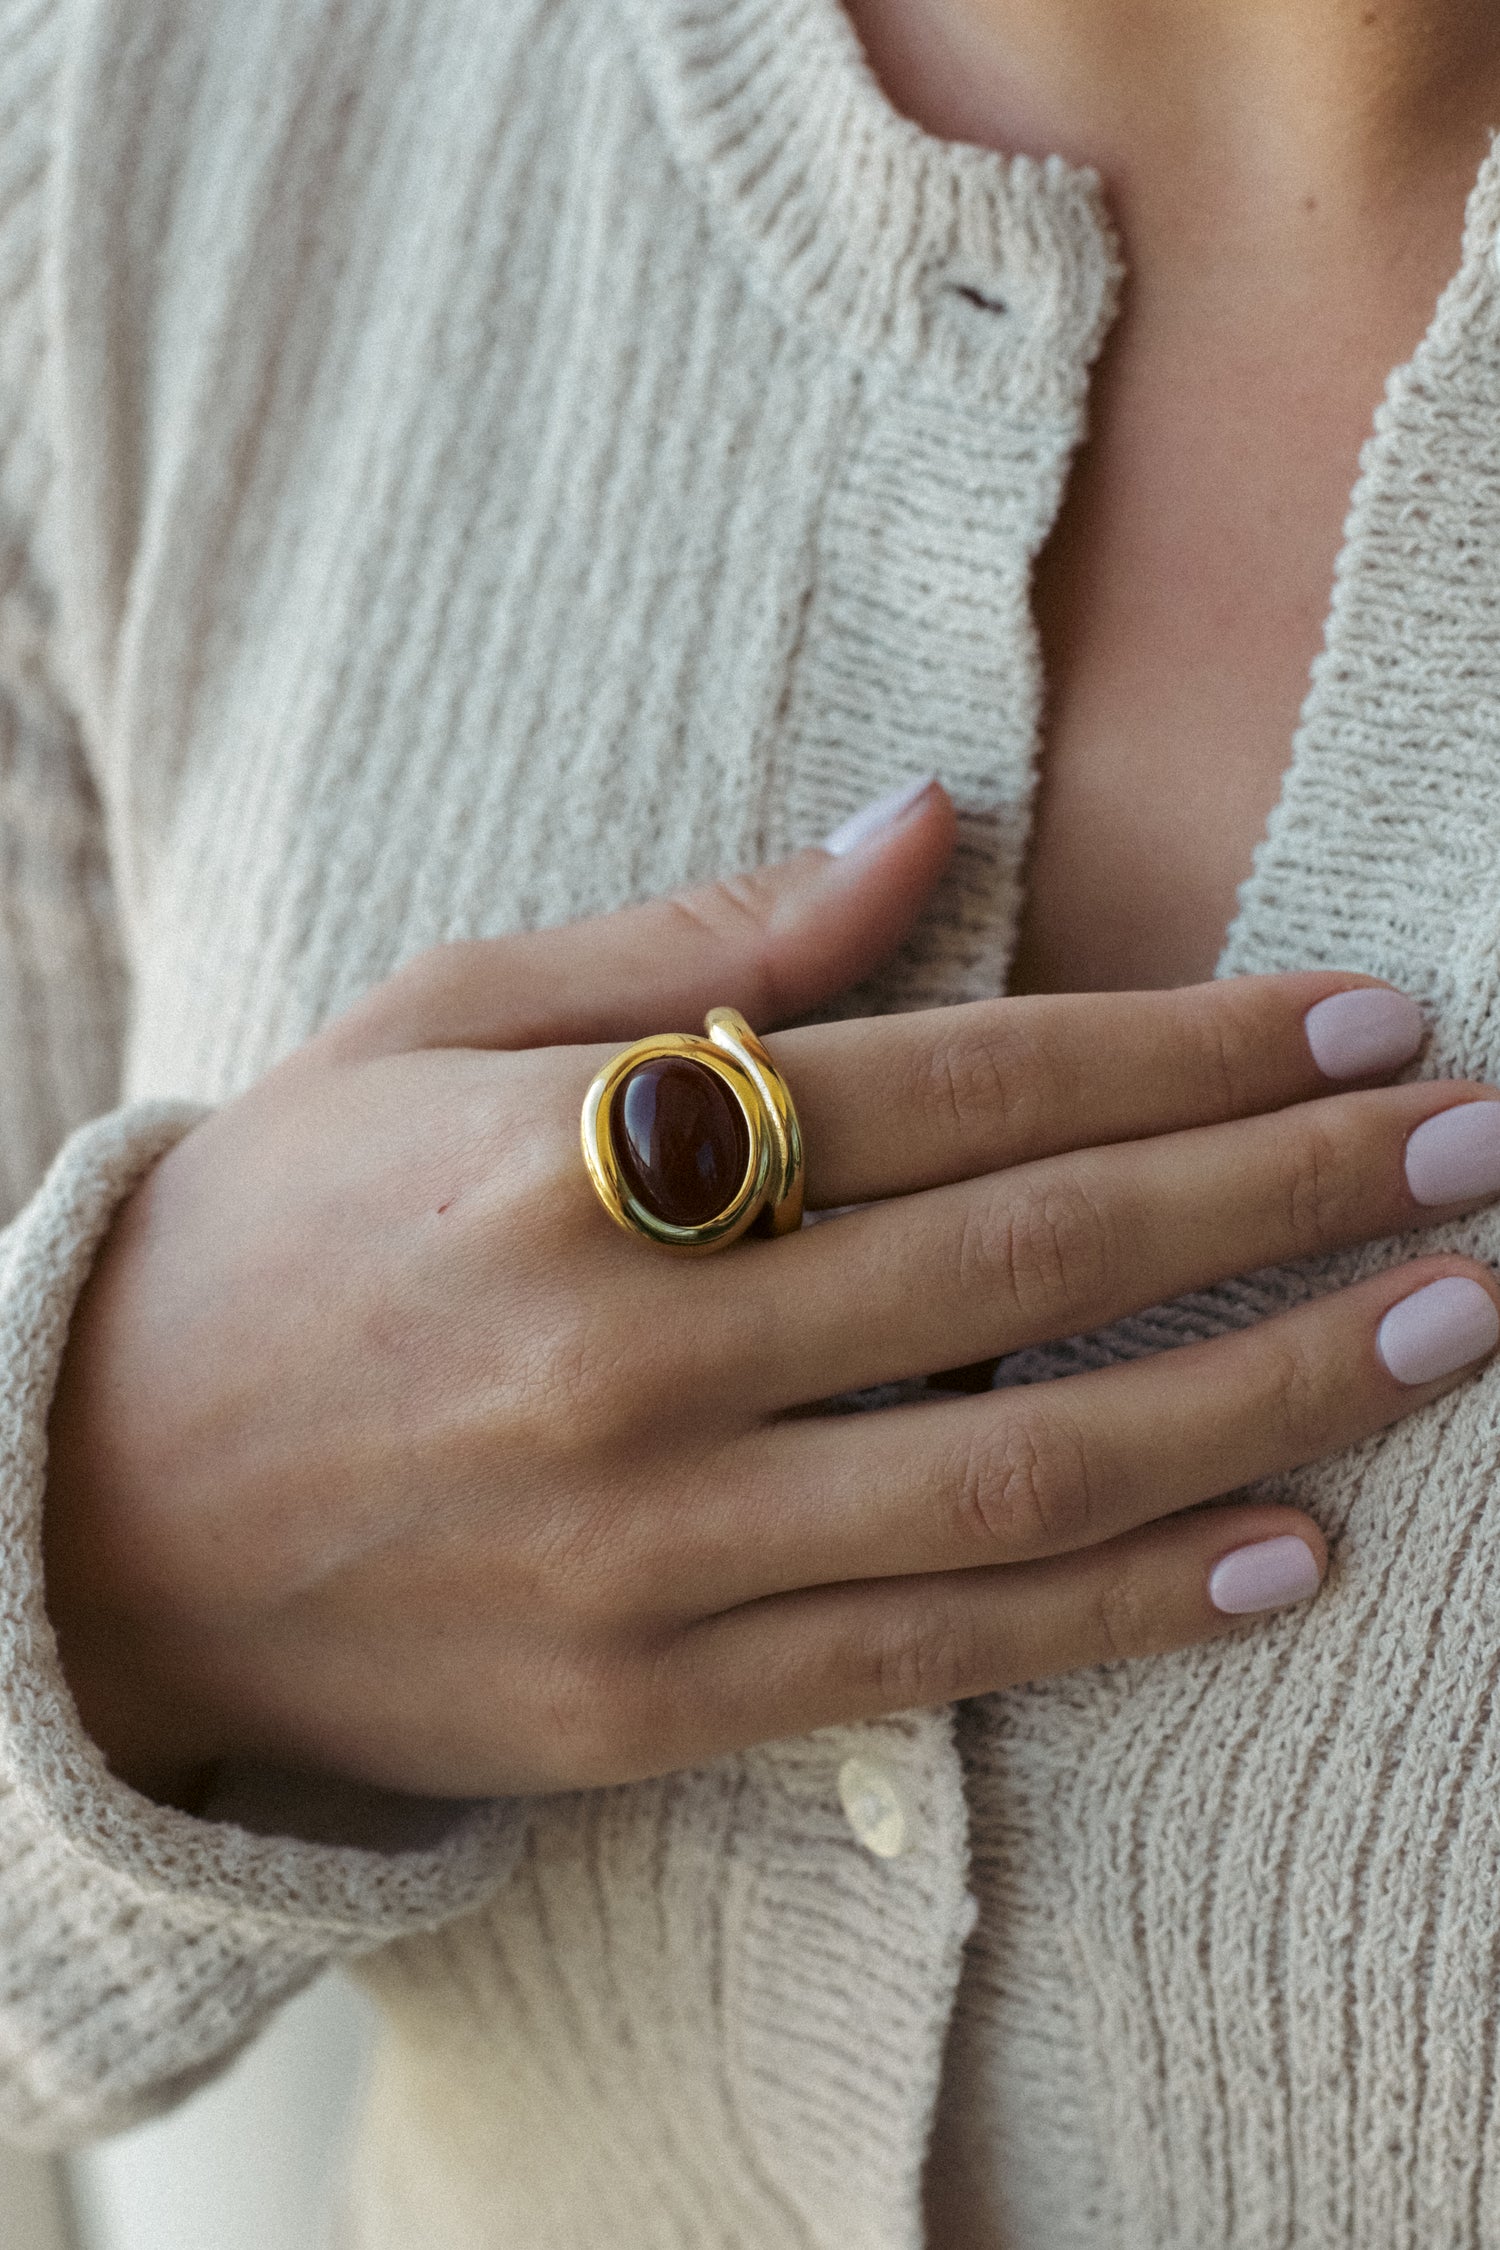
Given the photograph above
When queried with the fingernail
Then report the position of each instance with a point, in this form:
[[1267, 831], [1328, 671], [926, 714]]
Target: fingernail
[[1455, 1156], [1353, 1034], [870, 819], [1437, 1330], [1272, 1574]]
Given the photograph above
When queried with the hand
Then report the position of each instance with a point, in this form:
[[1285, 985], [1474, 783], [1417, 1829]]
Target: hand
[[380, 1451]]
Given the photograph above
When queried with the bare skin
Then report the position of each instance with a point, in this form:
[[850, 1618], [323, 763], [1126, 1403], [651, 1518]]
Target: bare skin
[[379, 1451], [1289, 183]]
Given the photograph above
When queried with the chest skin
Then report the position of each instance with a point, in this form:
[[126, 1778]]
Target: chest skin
[[436, 659], [1181, 601], [1182, 595]]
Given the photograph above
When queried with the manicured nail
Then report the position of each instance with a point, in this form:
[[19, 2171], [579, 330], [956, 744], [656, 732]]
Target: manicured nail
[[860, 827], [1437, 1330], [1354, 1034], [1455, 1156], [1272, 1574]]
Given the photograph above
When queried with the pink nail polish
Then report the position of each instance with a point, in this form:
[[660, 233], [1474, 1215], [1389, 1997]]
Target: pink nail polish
[[863, 826], [1437, 1330], [1455, 1156], [1355, 1034], [1272, 1574]]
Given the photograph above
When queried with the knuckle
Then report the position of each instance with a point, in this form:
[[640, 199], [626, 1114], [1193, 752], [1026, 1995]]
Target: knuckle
[[1317, 1187], [1228, 1048], [1123, 1616], [1292, 1399], [1044, 1244], [923, 1657], [1025, 1489], [986, 1075]]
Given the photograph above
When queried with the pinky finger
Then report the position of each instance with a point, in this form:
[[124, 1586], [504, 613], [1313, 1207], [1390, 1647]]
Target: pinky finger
[[839, 1653]]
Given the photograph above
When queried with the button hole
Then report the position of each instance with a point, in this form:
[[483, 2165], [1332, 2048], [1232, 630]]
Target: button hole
[[978, 297]]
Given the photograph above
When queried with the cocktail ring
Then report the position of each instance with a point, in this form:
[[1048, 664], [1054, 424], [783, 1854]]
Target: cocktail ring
[[690, 1141]]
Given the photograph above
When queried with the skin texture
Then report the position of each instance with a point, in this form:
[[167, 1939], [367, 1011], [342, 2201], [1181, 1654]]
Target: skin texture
[[1289, 184], [380, 1451]]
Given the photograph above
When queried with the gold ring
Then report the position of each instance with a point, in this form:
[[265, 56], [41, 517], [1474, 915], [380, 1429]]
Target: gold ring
[[690, 1141]]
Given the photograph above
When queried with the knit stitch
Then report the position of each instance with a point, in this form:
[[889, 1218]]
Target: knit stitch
[[466, 467]]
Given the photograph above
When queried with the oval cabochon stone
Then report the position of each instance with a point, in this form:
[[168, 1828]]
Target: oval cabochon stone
[[681, 1138]]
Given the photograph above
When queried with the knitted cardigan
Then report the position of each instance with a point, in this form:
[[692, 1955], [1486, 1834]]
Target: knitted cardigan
[[465, 466]]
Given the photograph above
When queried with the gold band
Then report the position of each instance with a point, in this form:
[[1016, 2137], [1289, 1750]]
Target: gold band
[[770, 1189]]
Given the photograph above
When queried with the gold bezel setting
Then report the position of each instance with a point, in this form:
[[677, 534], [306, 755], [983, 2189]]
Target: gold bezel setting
[[772, 1184]]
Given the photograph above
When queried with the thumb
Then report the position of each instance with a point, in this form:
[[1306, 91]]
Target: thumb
[[772, 943]]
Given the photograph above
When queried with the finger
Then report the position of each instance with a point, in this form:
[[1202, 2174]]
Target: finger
[[1070, 1243], [772, 943], [896, 1103], [843, 1653], [1050, 1467]]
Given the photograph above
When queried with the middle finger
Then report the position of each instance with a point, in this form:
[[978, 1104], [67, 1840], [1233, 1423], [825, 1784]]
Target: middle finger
[[1055, 1248]]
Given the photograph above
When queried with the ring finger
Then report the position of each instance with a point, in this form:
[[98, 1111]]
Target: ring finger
[[1070, 1243], [1052, 1467]]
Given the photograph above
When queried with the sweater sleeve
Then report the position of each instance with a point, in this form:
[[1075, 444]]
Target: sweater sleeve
[[139, 1947]]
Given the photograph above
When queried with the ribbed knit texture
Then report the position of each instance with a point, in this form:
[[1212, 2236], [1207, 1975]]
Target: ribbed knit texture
[[465, 466]]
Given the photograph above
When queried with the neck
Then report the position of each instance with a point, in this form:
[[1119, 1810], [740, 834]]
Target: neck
[[1341, 105]]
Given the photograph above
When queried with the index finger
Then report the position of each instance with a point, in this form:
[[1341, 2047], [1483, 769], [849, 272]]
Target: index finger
[[893, 1104]]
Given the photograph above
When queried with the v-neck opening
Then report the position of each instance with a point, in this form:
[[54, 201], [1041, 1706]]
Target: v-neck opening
[[1242, 935], [858, 222]]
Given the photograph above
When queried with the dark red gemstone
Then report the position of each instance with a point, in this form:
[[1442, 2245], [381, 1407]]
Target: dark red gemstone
[[681, 1139]]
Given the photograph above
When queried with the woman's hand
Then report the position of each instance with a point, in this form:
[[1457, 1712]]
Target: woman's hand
[[379, 1450]]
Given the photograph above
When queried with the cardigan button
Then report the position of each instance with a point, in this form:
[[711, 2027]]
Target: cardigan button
[[874, 1807]]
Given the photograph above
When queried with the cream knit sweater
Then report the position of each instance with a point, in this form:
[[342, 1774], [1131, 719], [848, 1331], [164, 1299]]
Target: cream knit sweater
[[465, 464]]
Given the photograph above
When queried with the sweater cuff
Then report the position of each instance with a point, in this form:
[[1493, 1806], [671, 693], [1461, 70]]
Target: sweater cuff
[[113, 1908]]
